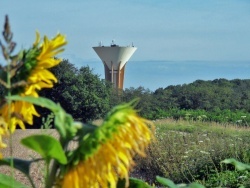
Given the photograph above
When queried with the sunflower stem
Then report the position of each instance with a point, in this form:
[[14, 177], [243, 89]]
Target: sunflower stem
[[9, 117], [50, 179], [47, 174], [51, 175]]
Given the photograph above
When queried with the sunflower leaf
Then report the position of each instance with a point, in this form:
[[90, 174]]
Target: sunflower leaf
[[40, 101], [169, 183], [64, 122], [47, 146], [166, 182], [133, 183], [195, 185]]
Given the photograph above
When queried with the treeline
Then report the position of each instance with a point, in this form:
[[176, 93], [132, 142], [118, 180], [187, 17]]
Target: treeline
[[219, 96], [87, 97]]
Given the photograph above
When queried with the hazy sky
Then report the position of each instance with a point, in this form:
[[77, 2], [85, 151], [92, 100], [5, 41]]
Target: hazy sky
[[169, 30]]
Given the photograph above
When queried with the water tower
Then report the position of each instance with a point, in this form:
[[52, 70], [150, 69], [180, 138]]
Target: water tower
[[114, 59]]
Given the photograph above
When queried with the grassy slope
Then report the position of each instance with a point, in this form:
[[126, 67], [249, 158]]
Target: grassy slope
[[187, 150]]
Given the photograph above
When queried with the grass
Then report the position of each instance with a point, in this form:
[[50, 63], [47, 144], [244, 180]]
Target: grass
[[187, 151]]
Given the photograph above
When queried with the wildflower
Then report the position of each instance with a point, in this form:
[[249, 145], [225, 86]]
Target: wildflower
[[34, 72], [204, 152], [108, 153]]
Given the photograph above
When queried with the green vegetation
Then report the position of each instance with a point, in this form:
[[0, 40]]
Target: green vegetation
[[188, 152], [87, 97], [219, 100]]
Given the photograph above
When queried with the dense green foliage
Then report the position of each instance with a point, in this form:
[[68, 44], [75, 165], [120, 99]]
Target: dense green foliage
[[87, 97], [219, 100], [80, 92], [211, 95], [228, 179]]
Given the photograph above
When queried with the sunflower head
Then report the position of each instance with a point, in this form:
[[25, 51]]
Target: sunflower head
[[106, 154], [29, 73]]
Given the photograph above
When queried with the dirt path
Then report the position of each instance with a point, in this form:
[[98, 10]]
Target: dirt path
[[22, 152]]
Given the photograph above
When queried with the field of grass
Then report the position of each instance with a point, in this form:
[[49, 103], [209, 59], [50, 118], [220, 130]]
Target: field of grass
[[188, 151]]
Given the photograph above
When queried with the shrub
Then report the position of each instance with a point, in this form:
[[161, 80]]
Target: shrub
[[233, 179]]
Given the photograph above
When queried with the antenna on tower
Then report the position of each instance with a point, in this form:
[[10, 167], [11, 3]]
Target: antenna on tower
[[113, 43]]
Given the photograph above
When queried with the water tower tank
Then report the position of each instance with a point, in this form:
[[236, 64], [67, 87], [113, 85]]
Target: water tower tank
[[114, 59]]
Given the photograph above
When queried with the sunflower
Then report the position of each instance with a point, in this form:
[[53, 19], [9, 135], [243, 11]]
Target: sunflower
[[34, 72], [3, 132], [107, 154]]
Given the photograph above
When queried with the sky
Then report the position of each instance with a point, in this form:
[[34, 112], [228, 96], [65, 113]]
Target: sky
[[178, 41]]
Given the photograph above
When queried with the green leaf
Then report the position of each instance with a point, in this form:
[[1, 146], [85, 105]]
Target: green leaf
[[133, 183], [63, 121], [238, 165], [8, 181], [47, 146], [171, 184], [195, 185], [86, 129], [22, 165], [166, 182], [40, 101]]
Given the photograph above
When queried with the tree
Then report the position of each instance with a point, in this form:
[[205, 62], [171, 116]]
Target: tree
[[90, 96], [81, 93], [145, 105]]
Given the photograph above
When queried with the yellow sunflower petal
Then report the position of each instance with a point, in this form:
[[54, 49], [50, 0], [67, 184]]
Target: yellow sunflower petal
[[37, 39], [41, 75], [52, 47], [50, 62]]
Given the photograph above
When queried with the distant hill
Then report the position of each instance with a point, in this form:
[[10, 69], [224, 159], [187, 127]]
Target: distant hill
[[208, 95], [218, 94]]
